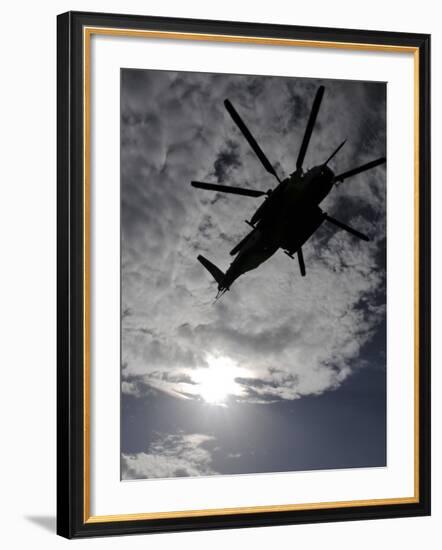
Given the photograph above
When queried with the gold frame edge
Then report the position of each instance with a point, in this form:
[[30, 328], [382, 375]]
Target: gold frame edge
[[87, 33]]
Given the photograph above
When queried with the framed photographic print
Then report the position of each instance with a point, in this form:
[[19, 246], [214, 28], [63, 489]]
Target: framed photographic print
[[243, 274]]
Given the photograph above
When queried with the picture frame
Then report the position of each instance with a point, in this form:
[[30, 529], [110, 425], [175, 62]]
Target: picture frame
[[75, 300]]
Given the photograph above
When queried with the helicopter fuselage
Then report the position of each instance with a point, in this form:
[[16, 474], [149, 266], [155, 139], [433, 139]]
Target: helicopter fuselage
[[287, 219]]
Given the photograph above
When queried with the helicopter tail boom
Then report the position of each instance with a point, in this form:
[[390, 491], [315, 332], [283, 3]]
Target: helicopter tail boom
[[216, 273]]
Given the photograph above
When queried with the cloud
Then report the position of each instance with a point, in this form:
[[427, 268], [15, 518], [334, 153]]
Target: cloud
[[289, 336], [173, 455]]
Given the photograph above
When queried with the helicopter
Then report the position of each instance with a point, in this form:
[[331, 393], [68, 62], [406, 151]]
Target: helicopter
[[290, 213]]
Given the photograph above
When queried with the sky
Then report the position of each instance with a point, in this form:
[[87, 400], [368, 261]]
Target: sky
[[283, 373]]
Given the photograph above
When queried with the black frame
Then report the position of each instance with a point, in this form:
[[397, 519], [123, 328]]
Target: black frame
[[70, 291]]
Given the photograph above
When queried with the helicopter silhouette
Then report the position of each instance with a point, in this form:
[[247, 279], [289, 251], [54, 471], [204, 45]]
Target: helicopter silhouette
[[290, 213]]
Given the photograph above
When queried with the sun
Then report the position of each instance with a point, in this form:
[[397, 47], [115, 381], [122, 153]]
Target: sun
[[217, 381]]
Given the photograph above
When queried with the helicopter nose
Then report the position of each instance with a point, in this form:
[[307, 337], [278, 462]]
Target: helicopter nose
[[326, 173]]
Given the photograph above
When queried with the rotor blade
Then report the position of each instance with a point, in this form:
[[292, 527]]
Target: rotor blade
[[359, 169], [228, 189], [252, 141], [301, 262], [310, 126], [335, 152], [346, 228]]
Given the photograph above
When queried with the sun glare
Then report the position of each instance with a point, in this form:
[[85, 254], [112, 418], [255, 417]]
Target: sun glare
[[217, 381]]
